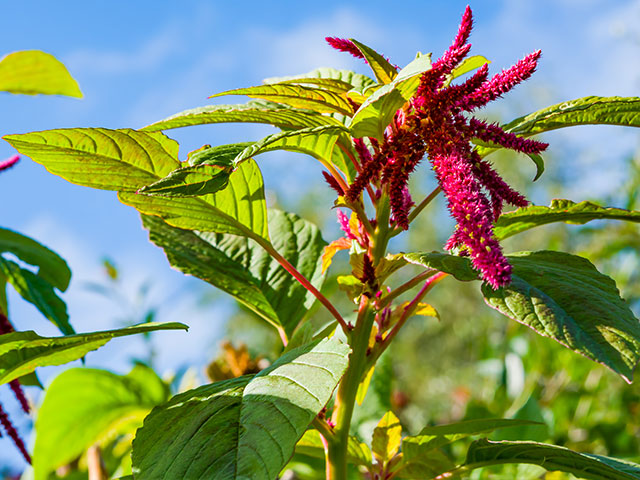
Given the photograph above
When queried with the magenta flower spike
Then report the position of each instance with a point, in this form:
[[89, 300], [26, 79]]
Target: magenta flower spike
[[432, 124], [345, 45], [9, 162]]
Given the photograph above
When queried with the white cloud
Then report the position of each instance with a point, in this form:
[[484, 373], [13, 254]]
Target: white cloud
[[139, 58]]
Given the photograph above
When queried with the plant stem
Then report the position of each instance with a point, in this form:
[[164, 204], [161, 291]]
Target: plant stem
[[348, 389], [386, 300], [416, 211], [381, 237], [362, 216], [408, 311], [301, 278]]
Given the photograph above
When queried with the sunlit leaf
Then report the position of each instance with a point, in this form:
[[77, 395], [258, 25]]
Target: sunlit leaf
[[22, 352], [623, 111], [242, 428], [83, 406], [357, 452], [32, 72], [298, 96], [468, 65], [51, 267], [542, 295], [382, 69], [245, 270], [387, 437], [38, 292], [127, 160], [255, 111], [378, 110], [318, 142], [560, 210], [483, 452], [346, 78]]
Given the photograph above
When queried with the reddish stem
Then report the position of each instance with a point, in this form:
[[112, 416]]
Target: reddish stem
[[13, 433]]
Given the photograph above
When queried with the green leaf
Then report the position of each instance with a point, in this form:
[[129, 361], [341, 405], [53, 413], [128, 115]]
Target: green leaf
[[239, 209], [382, 69], [468, 65], [417, 464], [542, 295], [51, 267], [245, 270], [387, 437], [242, 428], [340, 81], [483, 452], [459, 267], [22, 352], [122, 160], [421, 457], [438, 436], [32, 72], [255, 111], [127, 160], [208, 171], [560, 210], [39, 293], [623, 111], [319, 142], [564, 297], [357, 452], [378, 110], [316, 99], [85, 406]]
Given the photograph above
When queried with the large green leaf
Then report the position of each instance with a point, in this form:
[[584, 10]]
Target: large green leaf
[[208, 172], [339, 81], [245, 270], [239, 209], [122, 160], [318, 142], [242, 428], [299, 96], [421, 457], [22, 352], [51, 267], [83, 406], [38, 292], [378, 110], [483, 453], [382, 69], [563, 297], [127, 160], [624, 111], [32, 72], [525, 218], [440, 435], [255, 111]]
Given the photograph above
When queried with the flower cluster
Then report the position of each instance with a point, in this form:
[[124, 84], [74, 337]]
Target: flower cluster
[[435, 123]]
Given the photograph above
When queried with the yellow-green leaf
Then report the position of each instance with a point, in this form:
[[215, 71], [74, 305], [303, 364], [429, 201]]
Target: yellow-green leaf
[[33, 72]]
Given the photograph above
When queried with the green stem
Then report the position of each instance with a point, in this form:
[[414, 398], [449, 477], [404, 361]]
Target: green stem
[[348, 389], [362, 216], [416, 211], [382, 229]]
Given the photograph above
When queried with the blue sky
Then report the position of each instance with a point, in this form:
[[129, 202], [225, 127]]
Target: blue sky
[[138, 62]]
